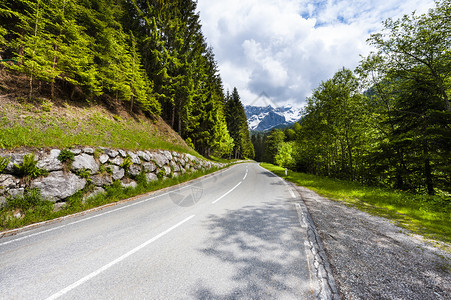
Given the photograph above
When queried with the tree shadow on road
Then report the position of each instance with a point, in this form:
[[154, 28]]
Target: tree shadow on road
[[264, 247], [266, 173]]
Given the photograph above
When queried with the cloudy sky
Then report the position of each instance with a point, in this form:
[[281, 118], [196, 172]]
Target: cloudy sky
[[285, 48]]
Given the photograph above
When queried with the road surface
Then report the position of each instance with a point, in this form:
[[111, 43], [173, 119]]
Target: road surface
[[233, 235]]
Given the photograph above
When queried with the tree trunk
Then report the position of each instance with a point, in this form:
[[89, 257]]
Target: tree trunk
[[52, 84], [173, 116], [343, 157], [351, 171], [31, 87], [180, 125], [428, 173]]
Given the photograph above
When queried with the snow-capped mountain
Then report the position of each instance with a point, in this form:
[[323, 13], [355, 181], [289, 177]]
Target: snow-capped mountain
[[267, 118]]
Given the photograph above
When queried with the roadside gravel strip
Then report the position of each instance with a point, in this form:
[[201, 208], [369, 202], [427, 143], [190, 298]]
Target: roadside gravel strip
[[371, 258], [326, 288]]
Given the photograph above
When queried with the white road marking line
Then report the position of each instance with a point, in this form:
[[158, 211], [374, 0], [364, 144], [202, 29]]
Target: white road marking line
[[293, 195], [245, 175], [117, 260], [81, 220], [89, 218], [96, 216], [227, 193]]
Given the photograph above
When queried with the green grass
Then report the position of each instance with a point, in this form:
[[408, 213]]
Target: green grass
[[223, 160], [36, 209], [23, 125], [429, 216]]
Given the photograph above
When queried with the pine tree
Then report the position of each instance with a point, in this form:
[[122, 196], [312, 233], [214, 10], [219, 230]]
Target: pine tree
[[238, 128], [33, 44]]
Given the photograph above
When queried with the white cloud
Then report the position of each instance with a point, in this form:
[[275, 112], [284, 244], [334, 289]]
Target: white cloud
[[285, 48]]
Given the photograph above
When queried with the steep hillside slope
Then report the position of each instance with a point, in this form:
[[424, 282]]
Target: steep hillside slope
[[43, 123]]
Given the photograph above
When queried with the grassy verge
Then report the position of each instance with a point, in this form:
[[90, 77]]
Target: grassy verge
[[424, 215], [33, 208], [223, 160], [29, 125]]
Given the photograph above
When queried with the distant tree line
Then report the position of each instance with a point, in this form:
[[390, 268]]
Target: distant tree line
[[149, 55], [389, 122]]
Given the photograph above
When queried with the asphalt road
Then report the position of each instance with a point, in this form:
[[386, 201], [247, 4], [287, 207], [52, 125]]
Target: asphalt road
[[233, 235]]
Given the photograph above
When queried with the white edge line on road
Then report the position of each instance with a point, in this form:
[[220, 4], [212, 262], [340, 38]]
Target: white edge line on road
[[117, 260], [81, 220], [227, 193], [89, 218], [293, 195], [95, 216]]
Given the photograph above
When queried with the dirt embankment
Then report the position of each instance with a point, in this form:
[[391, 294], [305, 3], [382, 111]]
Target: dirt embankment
[[99, 118]]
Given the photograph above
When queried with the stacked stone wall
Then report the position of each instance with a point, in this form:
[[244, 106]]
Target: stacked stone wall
[[101, 166]]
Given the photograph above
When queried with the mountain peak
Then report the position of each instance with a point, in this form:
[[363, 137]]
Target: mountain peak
[[266, 118]]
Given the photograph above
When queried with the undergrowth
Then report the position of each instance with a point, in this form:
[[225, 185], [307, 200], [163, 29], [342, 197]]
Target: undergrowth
[[29, 167], [429, 216], [4, 161]]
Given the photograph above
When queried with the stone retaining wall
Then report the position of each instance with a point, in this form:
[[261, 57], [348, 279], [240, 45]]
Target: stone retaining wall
[[101, 166]]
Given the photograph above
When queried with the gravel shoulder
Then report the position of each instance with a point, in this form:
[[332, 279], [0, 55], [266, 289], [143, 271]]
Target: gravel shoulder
[[371, 258]]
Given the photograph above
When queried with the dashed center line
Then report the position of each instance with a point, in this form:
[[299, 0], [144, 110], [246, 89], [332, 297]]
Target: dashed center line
[[92, 217], [245, 175], [227, 193], [117, 260]]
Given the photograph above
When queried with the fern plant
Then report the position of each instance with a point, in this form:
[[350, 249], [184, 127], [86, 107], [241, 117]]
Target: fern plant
[[127, 163], [83, 173], [4, 161], [66, 155], [160, 174], [29, 167]]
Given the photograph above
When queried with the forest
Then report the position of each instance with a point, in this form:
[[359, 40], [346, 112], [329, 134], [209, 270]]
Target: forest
[[385, 123], [388, 123], [149, 56]]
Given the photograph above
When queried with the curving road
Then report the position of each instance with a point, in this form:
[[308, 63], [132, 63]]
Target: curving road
[[233, 235]]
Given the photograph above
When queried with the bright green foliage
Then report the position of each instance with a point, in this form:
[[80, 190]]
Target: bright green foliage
[[34, 46], [79, 46], [334, 128], [396, 133], [409, 80], [66, 156], [83, 173], [4, 161], [150, 56], [160, 174], [273, 143], [29, 167], [285, 155], [222, 141], [3, 33], [126, 163]]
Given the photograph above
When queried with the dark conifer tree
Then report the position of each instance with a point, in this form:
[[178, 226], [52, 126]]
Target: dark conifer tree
[[238, 128]]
